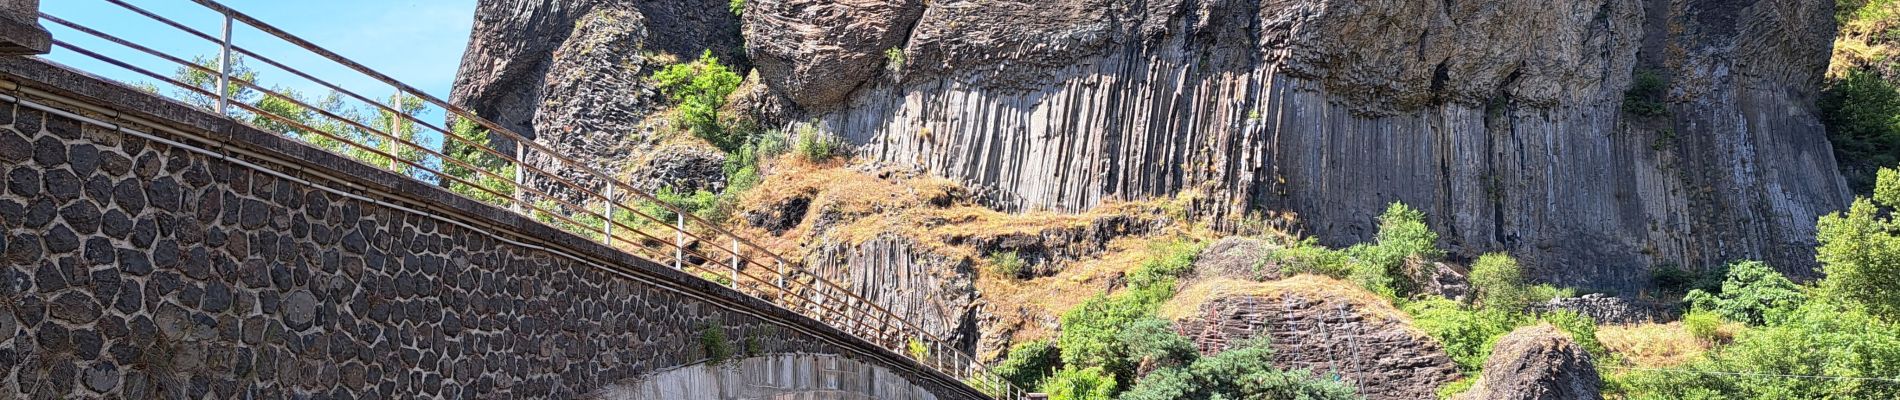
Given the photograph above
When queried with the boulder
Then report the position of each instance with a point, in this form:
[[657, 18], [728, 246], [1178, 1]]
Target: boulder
[[1318, 323], [1537, 363], [684, 167], [817, 52]]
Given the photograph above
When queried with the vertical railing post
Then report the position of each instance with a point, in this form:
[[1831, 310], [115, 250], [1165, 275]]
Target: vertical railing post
[[735, 262], [679, 239], [224, 70], [395, 134], [608, 228], [521, 179]]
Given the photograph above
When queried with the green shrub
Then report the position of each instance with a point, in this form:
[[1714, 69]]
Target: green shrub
[[1380, 267], [1151, 344], [1820, 338], [1456, 387], [1752, 294], [1093, 333], [1862, 113], [1240, 373], [1467, 334], [816, 146], [1646, 94], [700, 89], [1673, 279], [1308, 257], [917, 349], [712, 339], [1007, 264], [736, 6], [1582, 329], [1080, 384], [1029, 363], [894, 59], [1860, 250], [1498, 283], [1703, 325]]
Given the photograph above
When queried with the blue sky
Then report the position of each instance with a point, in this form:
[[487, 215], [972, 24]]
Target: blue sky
[[419, 42]]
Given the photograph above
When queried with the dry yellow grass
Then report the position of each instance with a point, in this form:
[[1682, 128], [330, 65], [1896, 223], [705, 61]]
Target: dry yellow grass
[[1654, 345], [1188, 302]]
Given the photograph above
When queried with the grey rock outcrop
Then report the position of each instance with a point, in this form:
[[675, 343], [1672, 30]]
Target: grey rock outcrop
[[1509, 141], [685, 168], [1607, 309], [935, 291], [1319, 324], [1537, 363], [571, 74]]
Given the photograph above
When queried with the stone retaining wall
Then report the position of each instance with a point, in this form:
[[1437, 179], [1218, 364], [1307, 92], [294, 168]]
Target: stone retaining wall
[[141, 270]]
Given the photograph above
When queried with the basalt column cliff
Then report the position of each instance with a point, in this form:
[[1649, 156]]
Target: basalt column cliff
[[1595, 138]]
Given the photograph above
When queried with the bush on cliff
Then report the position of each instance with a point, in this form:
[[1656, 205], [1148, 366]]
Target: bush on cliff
[[700, 89]]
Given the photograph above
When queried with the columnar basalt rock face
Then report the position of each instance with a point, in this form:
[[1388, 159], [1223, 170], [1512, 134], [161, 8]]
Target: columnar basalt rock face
[[1509, 140], [571, 74], [131, 268], [1322, 325], [933, 290]]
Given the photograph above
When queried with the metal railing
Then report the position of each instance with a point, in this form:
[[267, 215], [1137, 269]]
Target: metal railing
[[608, 209]]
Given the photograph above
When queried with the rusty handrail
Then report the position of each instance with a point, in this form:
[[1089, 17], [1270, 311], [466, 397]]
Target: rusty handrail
[[819, 298]]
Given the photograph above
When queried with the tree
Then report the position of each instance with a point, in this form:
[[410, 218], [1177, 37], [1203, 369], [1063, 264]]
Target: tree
[[491, 178], [700, 89], [1752, 294], [1860, 250]]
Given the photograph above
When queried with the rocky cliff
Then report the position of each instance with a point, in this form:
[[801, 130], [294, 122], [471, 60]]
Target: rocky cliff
[[1594, 138], [1505, 120], [571, 74]]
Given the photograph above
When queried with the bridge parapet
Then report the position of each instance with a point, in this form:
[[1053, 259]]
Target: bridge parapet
[[325, 231]]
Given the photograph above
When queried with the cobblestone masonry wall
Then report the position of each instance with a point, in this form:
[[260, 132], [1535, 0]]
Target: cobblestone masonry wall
[[134, 269]]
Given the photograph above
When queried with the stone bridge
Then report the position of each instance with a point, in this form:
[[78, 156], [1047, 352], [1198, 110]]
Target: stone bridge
[[149, 249]]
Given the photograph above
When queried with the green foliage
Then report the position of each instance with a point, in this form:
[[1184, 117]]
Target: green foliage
[[700, 89], [1080, 384], [205, 78], [736, 6], [1150, 343], [1499, 283], [1308, 257], [1752, 293], [1007, 264], [1028, 364], [917, 349], [894, 59], [1240, 373], [490, 178], [1704, 325], [1821, 338], [1457, 387], [1093, 333], [1862, 113], [1645, 95], [1466, 333], [816, 146], [1582, 329], [1380, 267], [1860, 251], [712, 339], [1670, 278]]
